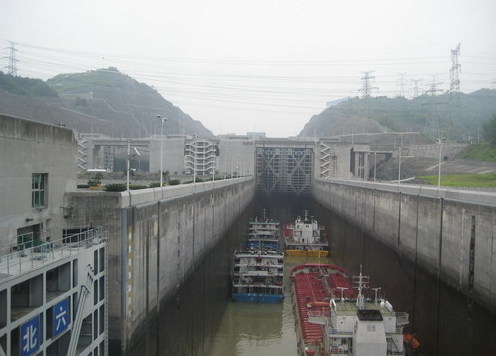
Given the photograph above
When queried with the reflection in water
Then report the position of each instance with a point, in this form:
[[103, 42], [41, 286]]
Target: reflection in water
[[261, 329]]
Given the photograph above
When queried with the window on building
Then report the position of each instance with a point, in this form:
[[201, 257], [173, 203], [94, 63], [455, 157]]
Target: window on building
[[39, 197]]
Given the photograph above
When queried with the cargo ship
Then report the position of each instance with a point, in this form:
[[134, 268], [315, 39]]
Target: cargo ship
[[258, 276], [264, 234], [305, 238], [339, 315]]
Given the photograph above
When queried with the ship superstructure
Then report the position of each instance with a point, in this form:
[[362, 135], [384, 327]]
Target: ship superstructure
[[264, 234], [53, 296], [337, 315], [258, 276], [305, 238]]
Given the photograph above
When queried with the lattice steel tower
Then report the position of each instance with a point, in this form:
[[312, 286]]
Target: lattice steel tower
[[12, 60], [455, 74], [367, 87], [415, 86]]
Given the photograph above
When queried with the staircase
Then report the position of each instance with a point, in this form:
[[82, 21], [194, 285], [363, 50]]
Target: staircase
[[77, 327]]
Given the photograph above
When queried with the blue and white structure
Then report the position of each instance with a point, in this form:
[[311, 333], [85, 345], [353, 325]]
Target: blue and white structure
[[264, 234], [53, 296], [258, 277]]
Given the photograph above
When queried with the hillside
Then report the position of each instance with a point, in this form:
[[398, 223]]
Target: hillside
[[101, 101], [458, 120]]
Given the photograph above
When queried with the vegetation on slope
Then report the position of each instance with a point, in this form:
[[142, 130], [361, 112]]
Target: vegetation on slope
[[464, 180], [459, 118], [479, 152], [120, 99], [25, 86]]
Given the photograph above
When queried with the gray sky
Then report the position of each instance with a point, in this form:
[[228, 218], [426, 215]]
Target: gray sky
[[256, 65]]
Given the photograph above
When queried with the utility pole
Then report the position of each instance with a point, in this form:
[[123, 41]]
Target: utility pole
[[436, 131], [367, 89], [415, 86], [455, 74], [454, 93], [12, 60], [401, 84]]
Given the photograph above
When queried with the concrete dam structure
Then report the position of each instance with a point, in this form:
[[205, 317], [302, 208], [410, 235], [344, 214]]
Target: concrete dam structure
[[156, 237], [449, 233]]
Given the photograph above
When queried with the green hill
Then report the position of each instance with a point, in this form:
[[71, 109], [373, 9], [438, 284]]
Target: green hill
[[102, 101], [458, 119], [25, 86]]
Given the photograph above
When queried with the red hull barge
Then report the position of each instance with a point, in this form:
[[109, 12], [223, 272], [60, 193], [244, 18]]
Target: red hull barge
[[335, 317]]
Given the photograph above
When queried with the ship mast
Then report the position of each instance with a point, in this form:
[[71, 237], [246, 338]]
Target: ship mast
[[360, 303]]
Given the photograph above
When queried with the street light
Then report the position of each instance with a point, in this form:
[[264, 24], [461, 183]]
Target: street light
[[194, 145], [375, 165], [162, 119], [129, 157], [399, 166], [128, 163], [440, 142]]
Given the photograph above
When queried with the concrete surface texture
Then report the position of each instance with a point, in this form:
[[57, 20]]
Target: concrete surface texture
[[452, 234], [155, 238]]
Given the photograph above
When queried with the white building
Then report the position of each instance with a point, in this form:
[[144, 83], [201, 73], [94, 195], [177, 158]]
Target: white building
[[53, 294]]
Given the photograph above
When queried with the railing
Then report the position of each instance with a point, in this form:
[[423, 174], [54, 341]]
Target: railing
[[401, 319], [334, 331], [319, 313], [23, 259]]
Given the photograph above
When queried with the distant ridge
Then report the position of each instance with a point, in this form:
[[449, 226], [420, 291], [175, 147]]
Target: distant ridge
[[101, 101], [458, 118]]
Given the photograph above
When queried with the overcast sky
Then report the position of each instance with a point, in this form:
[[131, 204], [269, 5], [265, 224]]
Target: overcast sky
[[256, 65]]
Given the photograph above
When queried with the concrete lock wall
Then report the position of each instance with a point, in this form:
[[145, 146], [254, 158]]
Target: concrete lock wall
[[451, 233], [155, 242]]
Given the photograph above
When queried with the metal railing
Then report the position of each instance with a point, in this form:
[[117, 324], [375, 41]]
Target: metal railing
[[23, 259]]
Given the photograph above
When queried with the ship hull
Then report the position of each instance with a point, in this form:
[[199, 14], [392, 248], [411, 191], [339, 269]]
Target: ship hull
[[257, 298], [334, 318], [307, 253]]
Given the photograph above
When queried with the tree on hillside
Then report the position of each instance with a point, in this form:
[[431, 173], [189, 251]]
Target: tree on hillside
[[490, 130]]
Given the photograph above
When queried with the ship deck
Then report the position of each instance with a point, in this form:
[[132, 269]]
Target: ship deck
[[311, 296]]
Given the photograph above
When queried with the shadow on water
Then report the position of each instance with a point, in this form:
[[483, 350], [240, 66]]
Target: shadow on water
[[199, 318], [441, 317]]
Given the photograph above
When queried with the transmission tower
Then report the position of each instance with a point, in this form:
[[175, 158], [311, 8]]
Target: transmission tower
[[401, 84], [434, 125], [433, 87], [12, 60], [367, 88], [415, 86], [455, 74]]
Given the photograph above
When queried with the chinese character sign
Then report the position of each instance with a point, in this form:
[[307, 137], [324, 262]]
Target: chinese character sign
[[61, 318], [30, 337]]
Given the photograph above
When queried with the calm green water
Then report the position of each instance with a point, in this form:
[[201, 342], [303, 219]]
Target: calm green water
[[260, 329]]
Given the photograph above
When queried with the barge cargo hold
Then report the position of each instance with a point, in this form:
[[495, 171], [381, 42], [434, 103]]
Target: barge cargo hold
[[337, 315]]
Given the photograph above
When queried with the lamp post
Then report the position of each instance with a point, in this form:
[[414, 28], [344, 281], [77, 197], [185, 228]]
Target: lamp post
[[162, 119], [440, 142], [375, 165], [399, 166], [128, 167], [194, 145]]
